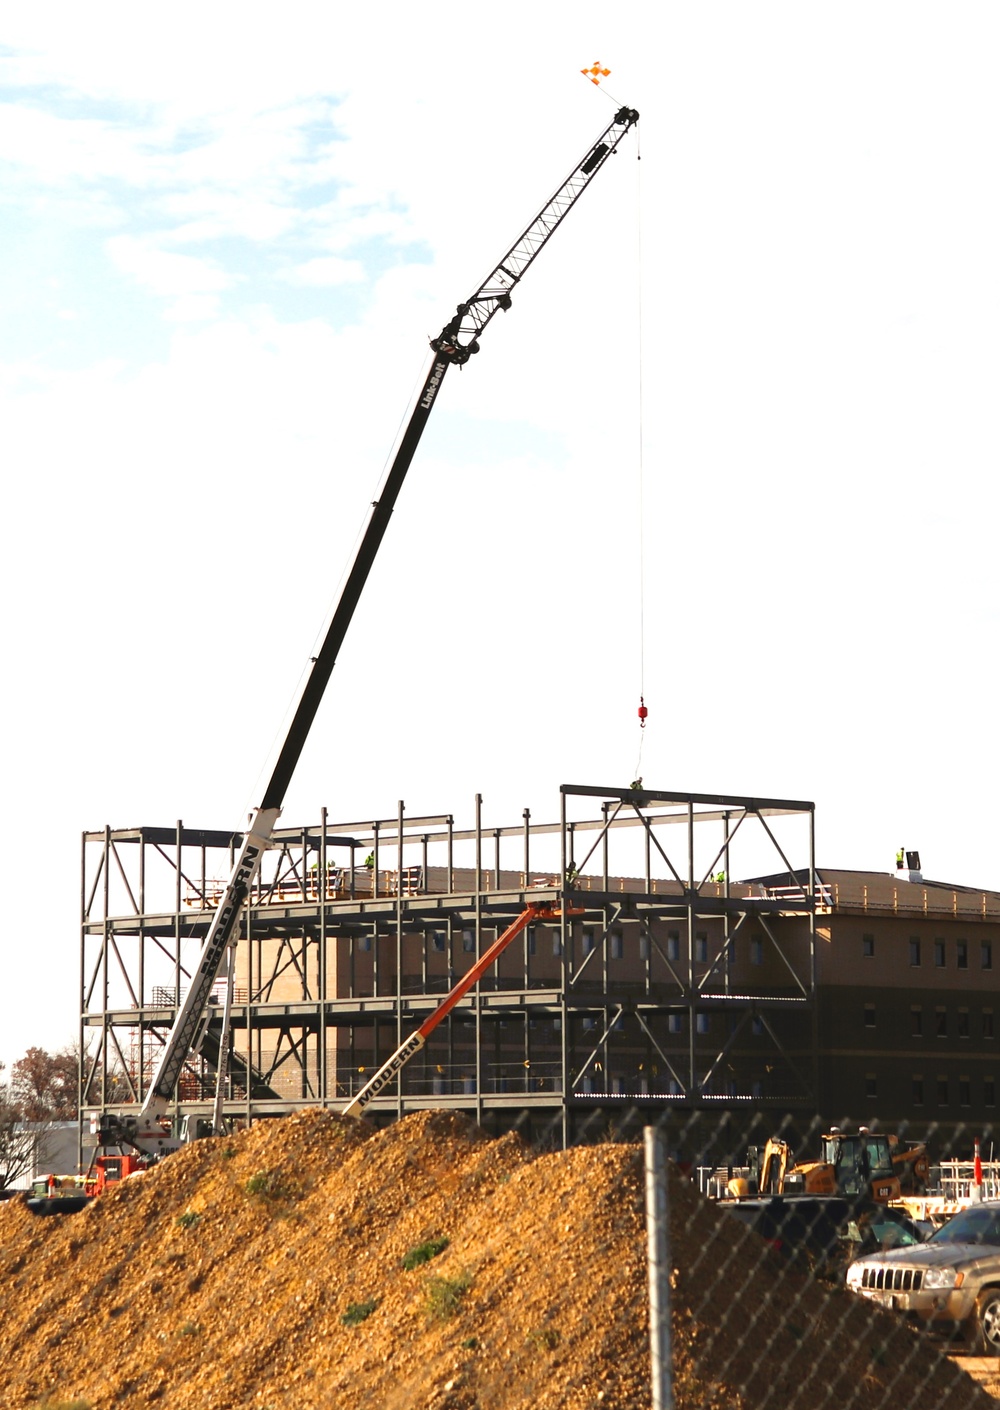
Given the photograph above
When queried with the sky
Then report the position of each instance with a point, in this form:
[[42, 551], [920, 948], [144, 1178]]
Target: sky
[[734, 448]]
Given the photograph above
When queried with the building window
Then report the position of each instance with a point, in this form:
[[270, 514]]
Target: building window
[[989, 1092], [532, 940], [964, 1092], [468, 941], [869, 1015], [703, 1022], [942, 1091], [644, 947], [987, 1023], [617, 945], [918, 1091], [701, 947], [963, 1023], [673, 1087], [588, 1022], [917, 1021], [962, 954], [986, 954], [756, 951], [941, 1022], [757, 1026], [673, 944], [556, 943], [438, 939], [939, 957], [675, 1023], [871, 1087], [364, 942], [588, 942], [868, 946], [915, 951]]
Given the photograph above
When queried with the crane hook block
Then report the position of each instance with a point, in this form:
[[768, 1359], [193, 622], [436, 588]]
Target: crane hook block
[[643, 712]]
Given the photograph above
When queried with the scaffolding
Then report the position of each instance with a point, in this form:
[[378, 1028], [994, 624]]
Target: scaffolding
[[666, 983]]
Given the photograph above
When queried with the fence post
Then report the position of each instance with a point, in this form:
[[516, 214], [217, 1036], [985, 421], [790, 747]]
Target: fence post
[[658, 1243]]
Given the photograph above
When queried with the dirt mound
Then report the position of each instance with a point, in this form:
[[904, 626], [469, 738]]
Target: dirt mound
[[315, 1263]]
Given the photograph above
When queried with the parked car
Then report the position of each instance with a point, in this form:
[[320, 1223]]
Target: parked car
[[883, 1226], [949, 1284], [824, 1231]]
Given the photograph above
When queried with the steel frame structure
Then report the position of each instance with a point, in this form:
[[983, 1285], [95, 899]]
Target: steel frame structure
[[639, 1002]]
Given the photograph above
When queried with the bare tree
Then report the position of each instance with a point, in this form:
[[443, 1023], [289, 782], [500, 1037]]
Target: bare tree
[[44, 1085], [18, 1141]]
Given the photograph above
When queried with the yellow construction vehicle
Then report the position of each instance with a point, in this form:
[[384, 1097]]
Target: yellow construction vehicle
[[867, 1164]]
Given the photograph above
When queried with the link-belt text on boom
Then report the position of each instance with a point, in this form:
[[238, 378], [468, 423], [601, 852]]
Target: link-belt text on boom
[[433, 384], [237, 893]]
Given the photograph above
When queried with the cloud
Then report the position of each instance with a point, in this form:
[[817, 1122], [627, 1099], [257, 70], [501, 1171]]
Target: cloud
[[164, 273], [326, 272], [52, 150]]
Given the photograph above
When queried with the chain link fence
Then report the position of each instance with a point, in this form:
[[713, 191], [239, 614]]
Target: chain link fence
[[820, 1266]]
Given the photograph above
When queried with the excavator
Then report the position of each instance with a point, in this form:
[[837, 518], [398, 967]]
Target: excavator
[[866, 1165], [140, 1139]]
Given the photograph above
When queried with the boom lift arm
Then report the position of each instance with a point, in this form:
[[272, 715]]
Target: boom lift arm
[[456, 343], [412, 1045]]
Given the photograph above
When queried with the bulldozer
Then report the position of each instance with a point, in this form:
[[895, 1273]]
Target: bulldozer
[[868, 1165]]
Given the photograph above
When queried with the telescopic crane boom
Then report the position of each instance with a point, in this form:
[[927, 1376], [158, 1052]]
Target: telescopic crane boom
[[455, 344]]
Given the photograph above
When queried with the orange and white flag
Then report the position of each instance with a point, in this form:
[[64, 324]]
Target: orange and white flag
[[595, 73]]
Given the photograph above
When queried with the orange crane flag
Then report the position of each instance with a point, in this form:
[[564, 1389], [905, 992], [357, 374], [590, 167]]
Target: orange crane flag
[[595, 73]]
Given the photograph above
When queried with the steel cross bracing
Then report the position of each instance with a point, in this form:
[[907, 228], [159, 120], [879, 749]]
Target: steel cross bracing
[[342, 958]]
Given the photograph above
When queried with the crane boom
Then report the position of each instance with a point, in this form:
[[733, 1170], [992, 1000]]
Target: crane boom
[[456, 343]]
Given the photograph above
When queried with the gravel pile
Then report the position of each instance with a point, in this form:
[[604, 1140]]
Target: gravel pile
[[318, 1264]]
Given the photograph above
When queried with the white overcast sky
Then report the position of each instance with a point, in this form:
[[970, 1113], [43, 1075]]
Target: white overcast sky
[[226, 234]]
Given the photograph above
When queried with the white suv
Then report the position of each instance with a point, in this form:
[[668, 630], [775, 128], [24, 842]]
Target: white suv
[[949, 1283]]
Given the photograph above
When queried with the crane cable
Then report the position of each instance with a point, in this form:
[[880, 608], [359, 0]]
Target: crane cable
[[595, 74], [643, 711]]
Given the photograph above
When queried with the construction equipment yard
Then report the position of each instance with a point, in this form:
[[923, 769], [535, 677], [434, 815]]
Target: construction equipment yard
[[316, 1262], [312, 1222]]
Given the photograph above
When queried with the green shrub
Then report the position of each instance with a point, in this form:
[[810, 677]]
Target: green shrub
[[443, 1296], [358, 1311], [545, 1338], [423, 1253], [188, 1219], [271, 1186]]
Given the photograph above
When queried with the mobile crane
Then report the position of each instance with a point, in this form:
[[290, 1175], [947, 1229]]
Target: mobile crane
[[147, 1134]]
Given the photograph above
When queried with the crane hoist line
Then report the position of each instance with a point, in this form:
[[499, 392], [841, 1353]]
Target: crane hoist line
[[457, 342]]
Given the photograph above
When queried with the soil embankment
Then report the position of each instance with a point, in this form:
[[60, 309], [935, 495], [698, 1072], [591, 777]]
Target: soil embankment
[[269, 1271]]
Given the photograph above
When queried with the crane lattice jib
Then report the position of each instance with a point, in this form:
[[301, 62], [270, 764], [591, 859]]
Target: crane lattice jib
[[459, 338]]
